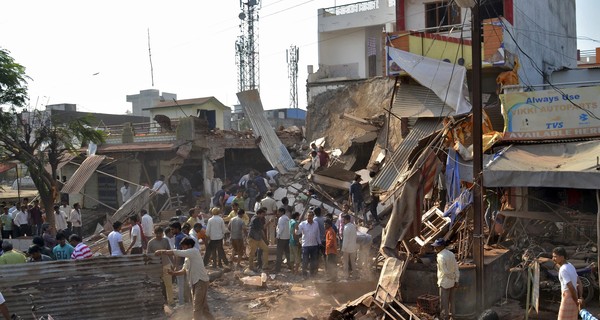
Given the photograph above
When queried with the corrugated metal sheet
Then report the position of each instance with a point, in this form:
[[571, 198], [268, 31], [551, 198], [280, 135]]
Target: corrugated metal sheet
[[139, 199], [270, 145], [82, 174], [127, 287], [397, 164], [494, 112], [414, 101]]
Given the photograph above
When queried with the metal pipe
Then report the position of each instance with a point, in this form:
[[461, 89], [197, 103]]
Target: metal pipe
[[477, 157]]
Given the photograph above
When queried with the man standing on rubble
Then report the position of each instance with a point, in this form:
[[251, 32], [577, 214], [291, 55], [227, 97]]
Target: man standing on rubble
[[349, 247], [283, 239], [159, 242], [126, 191], [256, 239], [215, 232], [196, 275], [356, 198], [447, 275], [162, 192], [311, 240], [271, 205]]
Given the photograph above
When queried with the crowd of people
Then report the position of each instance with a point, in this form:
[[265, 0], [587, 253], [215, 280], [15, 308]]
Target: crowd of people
[[236, 232], [62, 241]]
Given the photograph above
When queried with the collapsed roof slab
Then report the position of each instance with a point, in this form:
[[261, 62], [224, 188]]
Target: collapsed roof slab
[[268, 142]]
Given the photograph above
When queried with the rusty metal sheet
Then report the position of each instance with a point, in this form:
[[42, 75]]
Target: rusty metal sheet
[[268, 142], [82, 174], [127, 287], [7, 166], [398, 163]]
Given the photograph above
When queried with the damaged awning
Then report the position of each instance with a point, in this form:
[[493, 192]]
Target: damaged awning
[[414, 101], [82, 174], [398, 163], [266, 138], [560, 165], [140, 199], [446, 80]]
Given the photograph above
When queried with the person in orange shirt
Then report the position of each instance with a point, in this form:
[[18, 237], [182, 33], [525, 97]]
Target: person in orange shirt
[[331, 251]]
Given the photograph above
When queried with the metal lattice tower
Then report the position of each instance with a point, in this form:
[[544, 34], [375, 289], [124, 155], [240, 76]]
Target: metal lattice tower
[[293, 55], [246, 47]]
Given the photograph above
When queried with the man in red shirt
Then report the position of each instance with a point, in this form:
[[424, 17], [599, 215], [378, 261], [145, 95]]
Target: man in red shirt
[[331, 251], [82, 251]]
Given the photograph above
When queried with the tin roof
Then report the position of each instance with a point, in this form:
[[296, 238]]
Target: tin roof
[[413, 101], [127, 287], [268, 142], [398, 162], [83, 174]]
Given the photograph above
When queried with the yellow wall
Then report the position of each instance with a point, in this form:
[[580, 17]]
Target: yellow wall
[[440, 49]]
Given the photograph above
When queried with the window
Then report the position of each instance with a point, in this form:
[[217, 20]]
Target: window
[[440, 14]]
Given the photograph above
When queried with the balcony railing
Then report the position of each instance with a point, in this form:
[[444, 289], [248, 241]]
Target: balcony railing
[[356, 7], [150, 130], [587, 56]]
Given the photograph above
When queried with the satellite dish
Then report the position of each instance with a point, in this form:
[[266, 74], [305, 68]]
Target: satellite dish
[[242, 16]]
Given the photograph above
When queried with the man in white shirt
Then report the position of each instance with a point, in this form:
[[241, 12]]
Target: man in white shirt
[[136, 236], [126, 191], [75, 219], [147, 226], [311, 240], [349, 246], [215, 232], [21, 221], [570, 285], [272, 177], [162, 192], [115, 240], [283, 238], [196, 274], [448, 276], [271, 205], [60, 219], [4, 308]]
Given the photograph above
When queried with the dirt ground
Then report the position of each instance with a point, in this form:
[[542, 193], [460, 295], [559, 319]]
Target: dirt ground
[[288, 296], [285, 296]]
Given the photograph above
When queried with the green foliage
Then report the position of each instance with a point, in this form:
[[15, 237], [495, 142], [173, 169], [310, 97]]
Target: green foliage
[[13, 81]]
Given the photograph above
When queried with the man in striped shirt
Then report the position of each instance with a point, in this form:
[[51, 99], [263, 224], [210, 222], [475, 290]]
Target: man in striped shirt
[[82, 251]]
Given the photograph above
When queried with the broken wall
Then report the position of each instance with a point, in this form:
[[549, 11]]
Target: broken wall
[[364, 99]]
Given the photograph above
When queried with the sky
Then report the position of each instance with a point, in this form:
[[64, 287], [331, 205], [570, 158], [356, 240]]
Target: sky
[[94, 53]]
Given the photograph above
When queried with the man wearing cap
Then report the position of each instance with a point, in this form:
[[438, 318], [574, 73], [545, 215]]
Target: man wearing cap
[[271, 205], [448, 276]]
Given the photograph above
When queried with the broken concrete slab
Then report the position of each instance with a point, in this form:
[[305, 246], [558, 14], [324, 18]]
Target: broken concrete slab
[[279, 194], [330, 182], [360, 122]]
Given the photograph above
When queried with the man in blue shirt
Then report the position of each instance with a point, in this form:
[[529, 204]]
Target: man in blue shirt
[[63, 250], [182, 286], [356, 197]]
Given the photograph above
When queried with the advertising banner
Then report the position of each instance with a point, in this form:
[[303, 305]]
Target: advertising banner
[[551, 114]]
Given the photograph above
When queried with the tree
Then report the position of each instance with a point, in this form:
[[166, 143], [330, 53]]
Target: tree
[[13, 81], [33, 138]]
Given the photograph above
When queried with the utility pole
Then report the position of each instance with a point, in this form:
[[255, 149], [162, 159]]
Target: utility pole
[[477, 156], [293, 55]]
